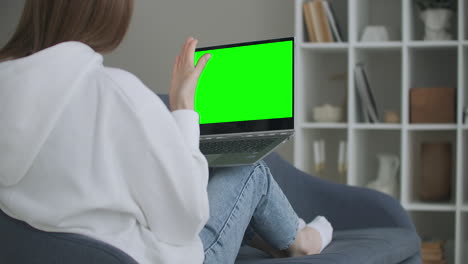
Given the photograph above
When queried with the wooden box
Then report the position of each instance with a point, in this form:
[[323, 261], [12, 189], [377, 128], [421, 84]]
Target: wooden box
[[432, 105]]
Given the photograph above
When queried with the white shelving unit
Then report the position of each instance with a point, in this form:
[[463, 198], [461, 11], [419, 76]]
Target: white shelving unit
[[393, 68]]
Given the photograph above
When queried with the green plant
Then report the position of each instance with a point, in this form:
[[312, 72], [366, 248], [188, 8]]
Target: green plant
[[433, 4]]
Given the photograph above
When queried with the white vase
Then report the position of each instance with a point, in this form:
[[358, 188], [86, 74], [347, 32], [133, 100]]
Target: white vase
[[386, 180], [436, 24]]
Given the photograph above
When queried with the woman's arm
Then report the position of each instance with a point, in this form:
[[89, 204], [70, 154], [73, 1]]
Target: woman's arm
[[170, 187]]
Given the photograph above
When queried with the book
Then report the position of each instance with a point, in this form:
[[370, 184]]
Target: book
[[332, 21], [367, 100], [433, 256], [432, 245], [430, 250], [309, 22], [372, 109], [360, 104], [324, 22], [320, 21]]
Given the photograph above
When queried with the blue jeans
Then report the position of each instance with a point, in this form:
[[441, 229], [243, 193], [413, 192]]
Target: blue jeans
[[245, 201]]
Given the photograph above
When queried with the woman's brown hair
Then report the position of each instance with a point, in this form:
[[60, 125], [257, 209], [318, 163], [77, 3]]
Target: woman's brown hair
[[101, 24]]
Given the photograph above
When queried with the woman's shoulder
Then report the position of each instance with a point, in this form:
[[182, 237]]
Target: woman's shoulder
[[129, 86]]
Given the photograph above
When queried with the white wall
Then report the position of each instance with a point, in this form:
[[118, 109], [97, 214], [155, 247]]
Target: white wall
[[159, 28]]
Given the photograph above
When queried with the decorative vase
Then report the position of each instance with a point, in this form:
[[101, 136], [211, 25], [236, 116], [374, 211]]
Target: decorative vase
[[387, 172], [436, 23]]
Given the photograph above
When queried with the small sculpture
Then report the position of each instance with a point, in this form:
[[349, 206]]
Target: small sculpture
[[436, 16]]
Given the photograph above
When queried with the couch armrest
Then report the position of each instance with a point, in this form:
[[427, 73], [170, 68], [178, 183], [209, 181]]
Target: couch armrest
[[21, 243], [345, 206]]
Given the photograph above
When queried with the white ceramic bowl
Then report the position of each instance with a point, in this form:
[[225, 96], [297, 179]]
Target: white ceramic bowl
[[327, 113]]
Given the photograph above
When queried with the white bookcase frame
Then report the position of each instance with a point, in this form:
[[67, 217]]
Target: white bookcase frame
[[415, 63]]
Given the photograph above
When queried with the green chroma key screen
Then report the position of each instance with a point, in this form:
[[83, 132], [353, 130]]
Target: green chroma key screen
[[243, 83]]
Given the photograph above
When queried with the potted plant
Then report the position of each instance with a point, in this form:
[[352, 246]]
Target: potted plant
[[436, 15]]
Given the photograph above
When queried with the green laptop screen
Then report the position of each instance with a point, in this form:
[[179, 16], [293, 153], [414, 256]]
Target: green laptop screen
[[244, 83]]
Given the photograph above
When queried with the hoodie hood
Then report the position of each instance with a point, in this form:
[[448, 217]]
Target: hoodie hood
[[33, 93]]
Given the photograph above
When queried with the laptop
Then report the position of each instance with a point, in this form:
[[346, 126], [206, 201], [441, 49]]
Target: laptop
[[245, 99]]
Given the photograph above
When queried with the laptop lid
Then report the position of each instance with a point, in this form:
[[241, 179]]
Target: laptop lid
[[247, 87]]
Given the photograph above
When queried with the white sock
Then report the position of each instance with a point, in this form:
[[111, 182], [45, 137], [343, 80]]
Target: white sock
[[322, 226]]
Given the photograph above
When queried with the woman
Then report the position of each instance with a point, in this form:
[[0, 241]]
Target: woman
[[89, 149]]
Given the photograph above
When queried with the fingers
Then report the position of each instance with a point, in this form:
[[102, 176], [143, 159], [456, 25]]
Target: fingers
[[191, 51], [187, 56], [185, 50], [202, 63], [187, 53], [184, 47]]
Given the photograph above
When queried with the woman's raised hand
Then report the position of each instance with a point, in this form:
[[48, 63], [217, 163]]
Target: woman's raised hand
[[185, 76]]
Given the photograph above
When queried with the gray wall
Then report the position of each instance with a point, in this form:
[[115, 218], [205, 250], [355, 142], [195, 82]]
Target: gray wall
[[159, 28], [10, 11]]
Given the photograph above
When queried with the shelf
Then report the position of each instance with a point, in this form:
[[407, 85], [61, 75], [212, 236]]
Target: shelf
[[324, 80], [331, 138], [385, 82], [435, 226], [438, 207], [432, 127], [413, 171], [311, 125], [391, 45], [464, 72], [464, 167], [326, 75], [379, 12], [365, 156], [433, 67], [324, 46], [463, 233], [377, 126], [463, 7], [433, 44]]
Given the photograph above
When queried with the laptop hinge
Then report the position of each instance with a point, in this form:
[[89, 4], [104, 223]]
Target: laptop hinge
[[275, 133]]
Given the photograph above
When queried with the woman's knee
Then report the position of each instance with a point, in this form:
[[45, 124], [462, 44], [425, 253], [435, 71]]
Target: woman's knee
[[262, 175]]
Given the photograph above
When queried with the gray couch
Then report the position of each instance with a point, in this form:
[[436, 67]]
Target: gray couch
[[370, 227]]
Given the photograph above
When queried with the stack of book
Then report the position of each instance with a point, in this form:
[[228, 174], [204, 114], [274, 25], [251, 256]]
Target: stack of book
[[433, 252], [321, 22]]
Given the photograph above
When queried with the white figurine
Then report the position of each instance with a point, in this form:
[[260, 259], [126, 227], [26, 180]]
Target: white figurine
[[437, 22]]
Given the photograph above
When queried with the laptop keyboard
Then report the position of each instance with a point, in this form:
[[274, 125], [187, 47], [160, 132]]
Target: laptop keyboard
[[235, 146]]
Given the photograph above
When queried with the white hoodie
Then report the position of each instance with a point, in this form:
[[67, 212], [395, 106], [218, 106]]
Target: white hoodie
[[90, 150]]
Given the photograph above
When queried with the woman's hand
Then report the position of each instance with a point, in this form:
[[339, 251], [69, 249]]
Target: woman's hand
[[185, 76]]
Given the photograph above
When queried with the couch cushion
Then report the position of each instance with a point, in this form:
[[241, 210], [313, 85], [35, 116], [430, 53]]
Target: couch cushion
[[360, 246]]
